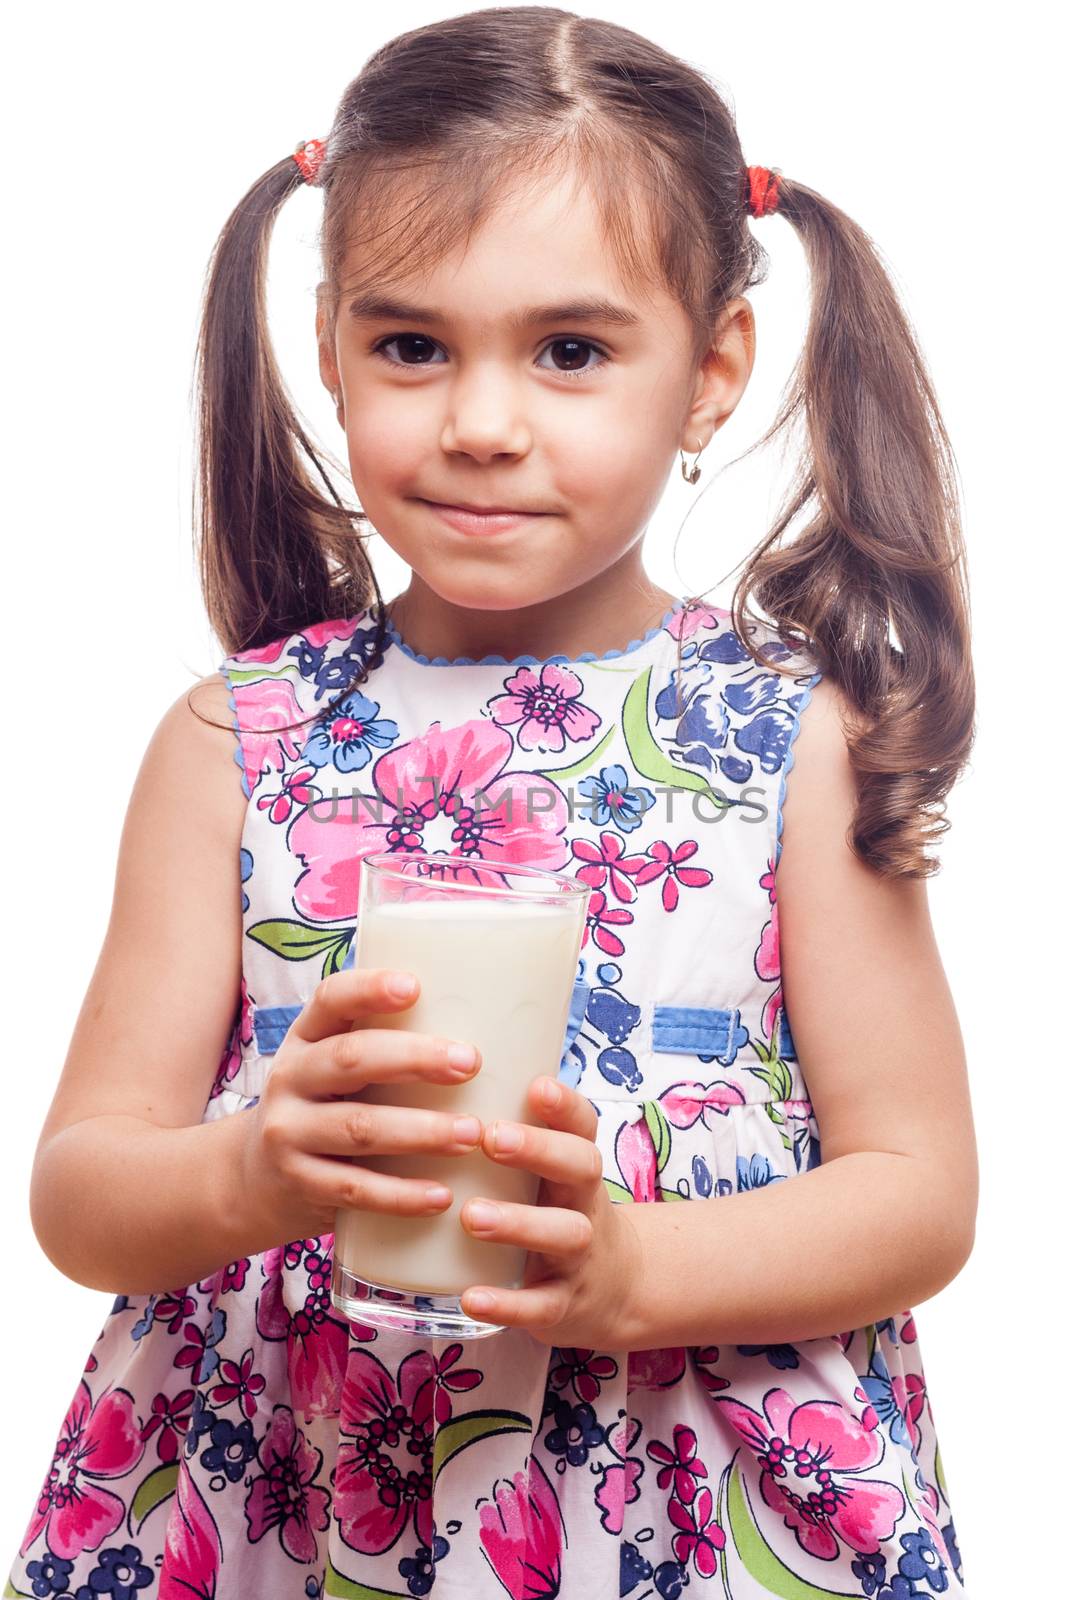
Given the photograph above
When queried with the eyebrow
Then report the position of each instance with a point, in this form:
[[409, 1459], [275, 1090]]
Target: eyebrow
[[592, 308]]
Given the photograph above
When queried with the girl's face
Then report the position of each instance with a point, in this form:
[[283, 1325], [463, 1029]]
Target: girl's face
[[473, 391]]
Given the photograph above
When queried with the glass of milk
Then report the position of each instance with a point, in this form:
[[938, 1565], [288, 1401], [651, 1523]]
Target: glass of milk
[[495, 949]]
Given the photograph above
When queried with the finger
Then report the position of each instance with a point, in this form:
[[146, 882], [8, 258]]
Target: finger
[[347, 1062], [563, 1107], [550, 1230], [336, 1184], [358, 1128], [542, 1306], [342, 997], [560, 1157]]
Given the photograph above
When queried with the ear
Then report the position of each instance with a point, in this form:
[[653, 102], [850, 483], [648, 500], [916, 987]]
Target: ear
[[328, 368], [723, 373]]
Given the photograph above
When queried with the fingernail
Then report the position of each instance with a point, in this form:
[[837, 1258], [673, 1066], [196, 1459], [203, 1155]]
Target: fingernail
[[466, 1130], [482, 1215], [506, 1137], [401, 985], [462, 1055], [438, 1195], [479, 1302], [551, 1093]]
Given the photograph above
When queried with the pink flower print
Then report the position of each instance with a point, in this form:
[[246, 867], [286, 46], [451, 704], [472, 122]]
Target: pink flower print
[[597, 921], [692, 616], [96, 1441], [172, 1309], [296, 791], [686, 1103], [803, 1451], [768, 956], [450, 1379], [445, 788], [546, 705], [170, 1417], [323, 633], [768, 882], [906, 1330], [606, 863], [699, 1536], [635, 1154], [240, 1038], [286, 1496], [264, 708], [655, 1369], [200, 1353], [384, 1473], [703, 1359], [522, 1534], [239, 1383], [681, 1467], [193, 1550], [583, 1369], [619, 1484], [665, 860], [316, 1341]]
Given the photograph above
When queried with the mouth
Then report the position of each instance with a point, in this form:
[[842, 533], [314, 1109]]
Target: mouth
[[470, 519]]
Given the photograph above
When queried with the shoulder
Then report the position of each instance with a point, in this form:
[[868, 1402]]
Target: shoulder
[[188, 768], [822, 785]]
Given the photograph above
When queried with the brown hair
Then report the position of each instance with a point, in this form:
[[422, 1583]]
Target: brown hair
[[874, 585]]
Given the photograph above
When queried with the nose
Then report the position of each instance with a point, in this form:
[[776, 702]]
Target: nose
[[485, 417]]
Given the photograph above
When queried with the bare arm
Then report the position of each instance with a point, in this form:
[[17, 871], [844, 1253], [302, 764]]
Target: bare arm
[[888, 1218], [129, 1192]]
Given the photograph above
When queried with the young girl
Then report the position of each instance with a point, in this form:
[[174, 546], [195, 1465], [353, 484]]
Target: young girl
[[536, 243]]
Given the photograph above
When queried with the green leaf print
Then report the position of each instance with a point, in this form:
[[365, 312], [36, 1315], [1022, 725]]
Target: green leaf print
[[351, 1589], [939, 1472], [152, 1492], [757, 1557], [456, 1435], [645, 753], [617, 1191], [11, 1593], [660, 1129], [565, 774], [253, 674], [295, 941]]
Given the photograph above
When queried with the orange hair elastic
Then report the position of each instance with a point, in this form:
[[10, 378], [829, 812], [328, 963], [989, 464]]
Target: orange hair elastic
[[309, 156], [763, 191]]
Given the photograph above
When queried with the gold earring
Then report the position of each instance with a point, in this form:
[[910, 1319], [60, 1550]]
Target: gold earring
[[691, 474]]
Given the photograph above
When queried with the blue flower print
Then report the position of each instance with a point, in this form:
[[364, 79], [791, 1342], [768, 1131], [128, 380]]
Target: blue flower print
[[577, 1431], [782, 1356], [670, 1579], [230, 1449], [878, 1388], [350, 737], [246, 873], [633, 1568], [948, 1533], [418, 1572], [703, 733], [701, 1177], [201, 1420], [921, 1560], [767, 736], [50, 1574], [870, 1570], [755, 1173], [119, 1573], [615, 799]]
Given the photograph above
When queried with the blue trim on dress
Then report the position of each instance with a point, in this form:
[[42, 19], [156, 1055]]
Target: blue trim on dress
[[530, 661], [270, 1024], [698, 1030], [787, 765], [239, 753]]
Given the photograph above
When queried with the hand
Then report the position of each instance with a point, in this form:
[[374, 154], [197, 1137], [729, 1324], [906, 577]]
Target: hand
[[295, 1173], [584, 1265]]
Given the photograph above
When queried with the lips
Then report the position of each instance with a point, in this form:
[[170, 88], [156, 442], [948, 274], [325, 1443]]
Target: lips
[[480, 522]]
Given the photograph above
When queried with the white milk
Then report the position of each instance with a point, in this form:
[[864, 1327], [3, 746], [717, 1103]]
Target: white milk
[[498, 974]]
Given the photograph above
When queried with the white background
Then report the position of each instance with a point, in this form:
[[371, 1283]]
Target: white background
[[130, 133]]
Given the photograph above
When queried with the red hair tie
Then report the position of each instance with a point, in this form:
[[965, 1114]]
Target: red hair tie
[[762, 191], [309, 156]]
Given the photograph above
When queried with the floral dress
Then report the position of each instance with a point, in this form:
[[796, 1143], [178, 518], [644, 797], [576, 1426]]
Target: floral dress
[[236, 1437]]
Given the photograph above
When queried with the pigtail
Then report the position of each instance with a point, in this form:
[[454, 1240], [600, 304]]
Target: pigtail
[[877, 579], [275, 552]]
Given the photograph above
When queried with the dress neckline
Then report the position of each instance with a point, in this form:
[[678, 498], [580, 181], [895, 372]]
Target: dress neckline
[[529, 660]]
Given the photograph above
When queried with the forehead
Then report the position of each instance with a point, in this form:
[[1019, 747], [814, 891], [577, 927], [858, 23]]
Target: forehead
[[511, 243]]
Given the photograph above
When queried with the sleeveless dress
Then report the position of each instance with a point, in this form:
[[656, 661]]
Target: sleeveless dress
[[236, 1438]]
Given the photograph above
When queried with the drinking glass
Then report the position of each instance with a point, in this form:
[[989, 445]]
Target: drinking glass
[[495, 948]]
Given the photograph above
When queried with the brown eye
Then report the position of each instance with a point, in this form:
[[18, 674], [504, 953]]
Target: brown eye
[[418, 344], [572, 353]]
